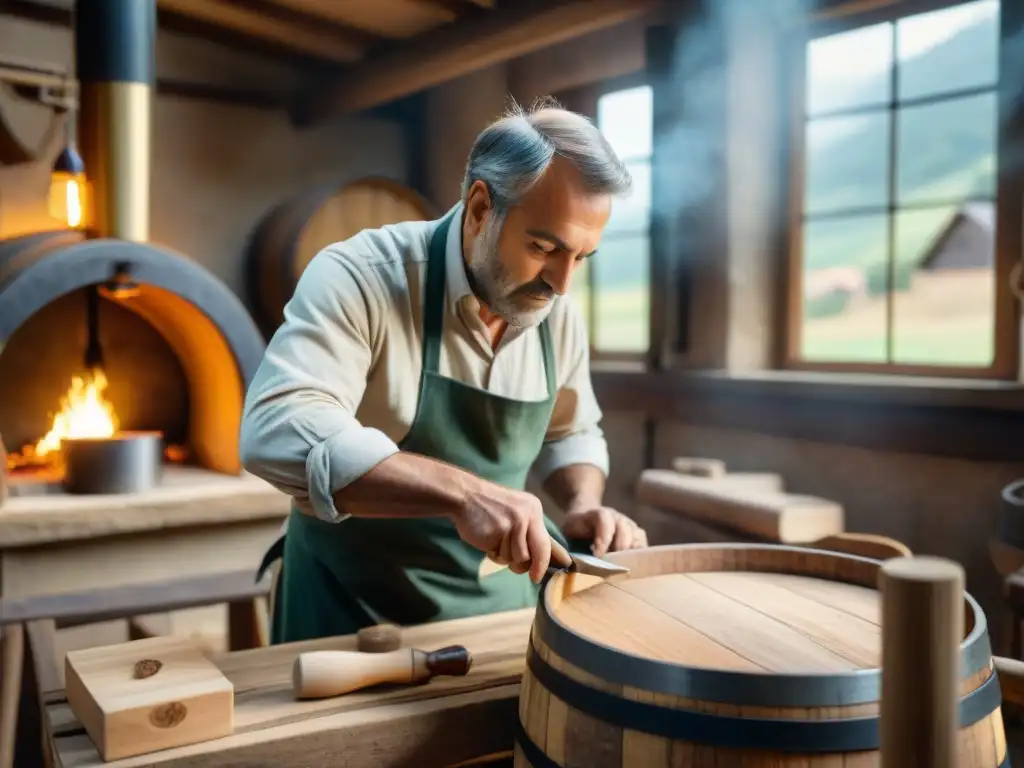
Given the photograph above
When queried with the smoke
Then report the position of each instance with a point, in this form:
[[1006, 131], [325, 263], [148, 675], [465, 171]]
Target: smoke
[[721, 60]]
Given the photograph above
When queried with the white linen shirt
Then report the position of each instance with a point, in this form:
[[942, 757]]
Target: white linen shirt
[[338, 386]]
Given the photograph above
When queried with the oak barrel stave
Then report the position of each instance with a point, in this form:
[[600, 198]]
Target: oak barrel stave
[[595, 701], [295, 230]]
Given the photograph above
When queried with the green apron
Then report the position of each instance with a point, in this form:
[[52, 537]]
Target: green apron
[[337, 578]]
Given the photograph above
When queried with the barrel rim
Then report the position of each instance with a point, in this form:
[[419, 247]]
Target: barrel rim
[[1013, 493], [861, 686], [805, 735]]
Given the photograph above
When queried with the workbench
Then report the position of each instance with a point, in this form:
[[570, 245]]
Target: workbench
[[61, 554], [445, 722]]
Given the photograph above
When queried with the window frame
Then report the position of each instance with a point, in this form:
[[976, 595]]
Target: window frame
[[584, 100], [1007, 202]]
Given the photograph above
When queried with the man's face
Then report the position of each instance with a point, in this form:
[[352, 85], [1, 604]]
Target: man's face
[[518, 266]]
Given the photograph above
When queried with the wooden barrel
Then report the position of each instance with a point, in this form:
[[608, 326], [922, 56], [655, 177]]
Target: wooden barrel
[[1007, 546], [726, 655], [293, 232]]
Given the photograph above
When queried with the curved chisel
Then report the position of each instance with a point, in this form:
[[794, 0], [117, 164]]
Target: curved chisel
[[577, 563]]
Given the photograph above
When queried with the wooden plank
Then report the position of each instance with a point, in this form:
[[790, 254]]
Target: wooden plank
[[780, 517], [187, 498], [146, 557], [134, 599], [396, 725], [460, 48]]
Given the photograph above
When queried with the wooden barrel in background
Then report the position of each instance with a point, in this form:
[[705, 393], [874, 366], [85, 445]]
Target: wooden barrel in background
[[1007, 545], [726, 655], [293, 232]]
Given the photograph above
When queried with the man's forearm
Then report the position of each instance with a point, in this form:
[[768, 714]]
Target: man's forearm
[[576, 487], [409, 485]]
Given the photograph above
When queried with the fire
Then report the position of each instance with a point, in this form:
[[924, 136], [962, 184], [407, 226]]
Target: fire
[[84, 412]]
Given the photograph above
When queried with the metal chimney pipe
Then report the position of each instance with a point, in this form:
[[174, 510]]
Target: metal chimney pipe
[[115, 65]]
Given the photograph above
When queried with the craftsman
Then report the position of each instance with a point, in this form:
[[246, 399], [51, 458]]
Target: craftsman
[[421, 371]]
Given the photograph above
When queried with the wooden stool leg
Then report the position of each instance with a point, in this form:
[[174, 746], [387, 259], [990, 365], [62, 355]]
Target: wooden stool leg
[[1016, 652], [12, 657], [40, 674], [243, 626]]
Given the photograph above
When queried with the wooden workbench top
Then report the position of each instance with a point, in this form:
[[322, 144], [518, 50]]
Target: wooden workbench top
[[449, 720], [187, 497]]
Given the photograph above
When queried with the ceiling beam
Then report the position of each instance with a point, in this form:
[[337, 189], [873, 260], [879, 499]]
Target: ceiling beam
[[59, 14], [457, 49], [265, 21], [457, 6]]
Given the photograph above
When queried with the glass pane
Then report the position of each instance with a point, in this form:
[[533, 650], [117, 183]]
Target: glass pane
[[847, 163], [947, 151], [844, 289], [626, 118], [632, 214], [851, 69], [948, 50], [579, 290], [621, 275], [944, 307]]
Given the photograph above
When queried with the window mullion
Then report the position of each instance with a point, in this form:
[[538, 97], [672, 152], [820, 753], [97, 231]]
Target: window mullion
[[890, 294]]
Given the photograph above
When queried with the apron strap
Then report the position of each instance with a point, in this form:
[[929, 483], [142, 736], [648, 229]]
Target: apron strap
[[433, 311], [548, 350], [275, 552], [433, 296]]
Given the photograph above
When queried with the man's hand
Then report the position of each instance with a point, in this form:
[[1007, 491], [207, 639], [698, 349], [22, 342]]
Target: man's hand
[[510, 524], [610, 530]]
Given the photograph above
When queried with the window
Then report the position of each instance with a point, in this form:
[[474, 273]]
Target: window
[[613, 286], [895, 246]]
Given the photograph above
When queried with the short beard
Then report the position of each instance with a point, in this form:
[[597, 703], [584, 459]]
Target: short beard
[[495, 288]]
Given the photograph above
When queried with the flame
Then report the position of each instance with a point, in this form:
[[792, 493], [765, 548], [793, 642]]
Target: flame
[[84, 412]]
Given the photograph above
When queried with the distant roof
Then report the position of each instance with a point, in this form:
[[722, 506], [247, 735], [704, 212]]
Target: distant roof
[[941, 253], [982, 212]]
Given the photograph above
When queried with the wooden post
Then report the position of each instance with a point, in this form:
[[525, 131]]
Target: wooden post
[[922, 628]]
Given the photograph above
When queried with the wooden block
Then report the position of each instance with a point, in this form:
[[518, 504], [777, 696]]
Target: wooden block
[[147, 695], [754, 481], [686, 465], [784, 518]]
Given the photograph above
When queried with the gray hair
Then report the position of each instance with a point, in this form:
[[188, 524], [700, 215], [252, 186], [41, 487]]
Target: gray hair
[[511, 154]]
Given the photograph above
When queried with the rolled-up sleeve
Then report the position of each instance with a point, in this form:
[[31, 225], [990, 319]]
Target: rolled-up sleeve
[[574, 434], [299, 431]]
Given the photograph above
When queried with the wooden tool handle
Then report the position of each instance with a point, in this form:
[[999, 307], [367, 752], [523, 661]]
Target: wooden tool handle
[[497, 561], [321, 674], [1011, 679], [922, 626]]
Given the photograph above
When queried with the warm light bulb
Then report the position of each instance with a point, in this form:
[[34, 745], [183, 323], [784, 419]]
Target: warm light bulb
[[67, 198], [73, 197]]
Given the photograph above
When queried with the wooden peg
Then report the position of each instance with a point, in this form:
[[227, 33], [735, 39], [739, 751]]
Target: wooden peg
[[922, 627], [321, 674], [379, 638]]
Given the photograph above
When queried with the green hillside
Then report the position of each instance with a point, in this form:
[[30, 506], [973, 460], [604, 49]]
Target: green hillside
[[946, 151]]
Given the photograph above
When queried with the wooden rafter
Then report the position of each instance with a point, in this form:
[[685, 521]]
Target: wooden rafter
[[457, 49], [457, 7], [278, 25]]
